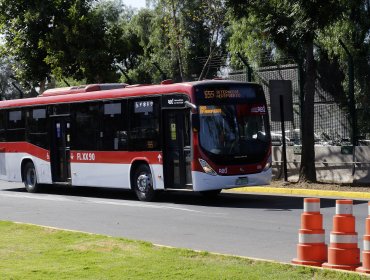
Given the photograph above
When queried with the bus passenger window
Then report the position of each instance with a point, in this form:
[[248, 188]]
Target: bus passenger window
[[144, 120], [114, 132], [86, 136], [2, 126], [16, 126], [36, 127]]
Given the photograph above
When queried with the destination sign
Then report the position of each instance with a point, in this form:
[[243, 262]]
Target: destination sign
[[222, 93], [145, 107], [209, 110], [209, 95]]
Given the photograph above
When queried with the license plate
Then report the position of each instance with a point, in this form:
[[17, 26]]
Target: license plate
[[241, 181]]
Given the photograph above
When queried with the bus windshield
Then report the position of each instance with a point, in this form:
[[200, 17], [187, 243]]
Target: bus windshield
[[234, 132]]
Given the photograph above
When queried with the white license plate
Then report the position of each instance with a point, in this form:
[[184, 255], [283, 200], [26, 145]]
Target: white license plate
[[241, 181]]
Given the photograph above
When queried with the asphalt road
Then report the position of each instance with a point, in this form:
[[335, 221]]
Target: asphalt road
[[259, 226]]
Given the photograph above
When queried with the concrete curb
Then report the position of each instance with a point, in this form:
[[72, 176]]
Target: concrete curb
[[305, 192]]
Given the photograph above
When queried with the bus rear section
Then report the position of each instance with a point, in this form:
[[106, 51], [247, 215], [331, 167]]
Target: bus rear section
[[231, 137]]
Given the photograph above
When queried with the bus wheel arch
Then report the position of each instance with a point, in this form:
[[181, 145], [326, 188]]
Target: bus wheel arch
[[29, 176], [141, 179]]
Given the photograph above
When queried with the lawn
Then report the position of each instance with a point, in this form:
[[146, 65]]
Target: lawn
[[33, 252]]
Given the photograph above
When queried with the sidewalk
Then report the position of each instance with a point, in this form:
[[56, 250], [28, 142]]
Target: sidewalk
[[319, 190]]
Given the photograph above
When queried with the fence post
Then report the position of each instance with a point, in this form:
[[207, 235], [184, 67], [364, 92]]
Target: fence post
[[352, 105], [248, 68], [301, 93]]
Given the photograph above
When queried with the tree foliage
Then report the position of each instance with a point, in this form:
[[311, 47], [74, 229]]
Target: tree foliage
[[77, 39], [354, 30], [97, 41], [291, 27], [180, 33], [9, 86]]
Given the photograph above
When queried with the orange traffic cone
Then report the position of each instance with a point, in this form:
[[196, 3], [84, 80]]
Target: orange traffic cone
[[343, 252], [365, 268], [311, 249]]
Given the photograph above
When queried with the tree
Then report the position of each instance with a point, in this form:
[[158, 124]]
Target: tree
[[85, 46], [179, 33], [67, 39], [291, 27], [354, 30], [23, 23], [9, 87]]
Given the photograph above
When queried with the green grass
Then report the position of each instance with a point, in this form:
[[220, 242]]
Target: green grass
[[32, 252]]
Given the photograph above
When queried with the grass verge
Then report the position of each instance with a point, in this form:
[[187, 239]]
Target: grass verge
[[33, 252]]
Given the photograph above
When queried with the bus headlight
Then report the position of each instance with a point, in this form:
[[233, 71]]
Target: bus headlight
[[207, 168]]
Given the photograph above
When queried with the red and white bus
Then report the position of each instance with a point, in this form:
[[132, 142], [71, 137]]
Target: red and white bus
[[205, 136]]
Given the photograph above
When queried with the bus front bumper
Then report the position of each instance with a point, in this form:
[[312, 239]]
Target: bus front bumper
[[206, 182]]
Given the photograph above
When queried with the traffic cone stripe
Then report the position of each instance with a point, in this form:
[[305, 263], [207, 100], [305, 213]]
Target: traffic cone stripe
[[343, 209], [340, 238], [311, 238], [312, 199], [311, 207], [344, 201], [366, 245]]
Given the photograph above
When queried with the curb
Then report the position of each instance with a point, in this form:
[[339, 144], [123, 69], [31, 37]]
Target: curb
[[308, 192]]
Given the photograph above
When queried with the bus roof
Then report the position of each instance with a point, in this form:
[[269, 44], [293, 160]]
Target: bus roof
[[108, 91]]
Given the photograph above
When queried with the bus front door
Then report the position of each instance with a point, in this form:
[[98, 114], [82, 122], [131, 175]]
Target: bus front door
[[176, 149], [60, 149]]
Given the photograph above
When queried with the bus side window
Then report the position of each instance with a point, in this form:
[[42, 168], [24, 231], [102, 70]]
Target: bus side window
[[86, 126], [16, 126], [36, 127], [2, 126], [144, 124], [114, 129]]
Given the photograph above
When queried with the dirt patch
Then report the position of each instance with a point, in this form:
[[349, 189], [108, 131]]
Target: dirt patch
[[321, 186]]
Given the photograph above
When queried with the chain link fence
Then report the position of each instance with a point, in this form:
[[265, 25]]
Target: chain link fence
[[332, 122]]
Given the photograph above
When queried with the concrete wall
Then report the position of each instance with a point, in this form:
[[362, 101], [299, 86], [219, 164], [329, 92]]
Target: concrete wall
[[332, 164]]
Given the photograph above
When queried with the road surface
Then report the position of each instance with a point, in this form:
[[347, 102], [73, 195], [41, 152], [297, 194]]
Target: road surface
[[259, 226]]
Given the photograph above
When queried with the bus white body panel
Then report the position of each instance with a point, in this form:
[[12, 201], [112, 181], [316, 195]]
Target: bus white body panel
[[3, 174], [100, 175], [110, 175], [13, 162], [206, 182]]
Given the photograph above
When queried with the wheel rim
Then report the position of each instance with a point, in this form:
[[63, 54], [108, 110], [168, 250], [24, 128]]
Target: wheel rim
[[30, 178], [143, 182]]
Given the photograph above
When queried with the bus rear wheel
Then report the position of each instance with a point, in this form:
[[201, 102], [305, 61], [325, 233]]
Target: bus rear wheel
[[143, 183], [30, 178]]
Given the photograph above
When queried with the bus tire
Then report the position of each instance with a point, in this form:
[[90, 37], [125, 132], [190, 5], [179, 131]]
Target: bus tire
[[143, 183], [30, 177], [211, 193]]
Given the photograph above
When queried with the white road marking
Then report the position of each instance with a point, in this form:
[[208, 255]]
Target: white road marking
[[144, 205], [100, 201], [30, 196]]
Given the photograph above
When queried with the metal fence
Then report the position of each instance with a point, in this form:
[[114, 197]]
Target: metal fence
[[331, 121]]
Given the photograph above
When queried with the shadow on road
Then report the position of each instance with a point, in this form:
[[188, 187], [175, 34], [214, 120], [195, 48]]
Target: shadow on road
[[225, 199]]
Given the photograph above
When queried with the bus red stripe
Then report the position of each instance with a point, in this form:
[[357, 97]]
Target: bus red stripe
[[24, 147], [114, 157]]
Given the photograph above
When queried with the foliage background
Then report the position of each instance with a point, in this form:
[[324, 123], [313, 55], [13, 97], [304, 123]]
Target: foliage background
[[57, 43]]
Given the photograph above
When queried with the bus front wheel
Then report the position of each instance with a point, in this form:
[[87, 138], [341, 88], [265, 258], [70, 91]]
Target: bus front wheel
[[143, 183], [30, 178]]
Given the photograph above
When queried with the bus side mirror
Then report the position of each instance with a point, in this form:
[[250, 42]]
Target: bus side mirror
[[195, 121]]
